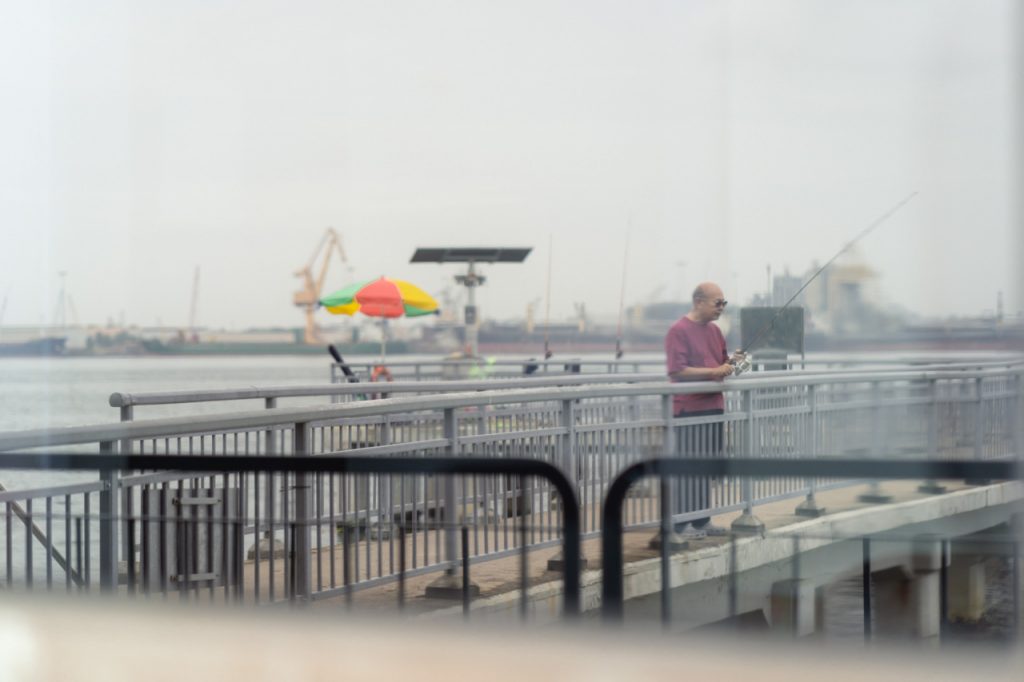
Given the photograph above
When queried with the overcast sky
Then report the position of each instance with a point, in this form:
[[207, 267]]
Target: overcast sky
[[140, 139]]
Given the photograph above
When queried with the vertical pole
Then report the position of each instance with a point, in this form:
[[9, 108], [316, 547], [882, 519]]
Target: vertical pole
[[930, 485], [471, 323], [346, 563], [733, 578], [109, 530], [567, 442], [465, 572], [567, 459], [450, 508], [1018, 419], [810, 507], [524, 569], [673, 504], [979, 415], [127, 414], [270, 440], [1017, 574], [874, 493], [302, 575], [669, 539], [752, 450], [979, 429], [866, 586], [666, 532], [401, 566], [746, 522], [943, 589]]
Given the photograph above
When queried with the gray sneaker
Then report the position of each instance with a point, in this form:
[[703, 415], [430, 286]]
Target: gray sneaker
[[711, 530], [689, 532]]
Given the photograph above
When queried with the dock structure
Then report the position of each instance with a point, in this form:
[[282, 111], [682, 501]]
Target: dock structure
[[330, 536]]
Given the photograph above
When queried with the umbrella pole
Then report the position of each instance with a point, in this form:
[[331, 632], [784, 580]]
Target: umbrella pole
[[383, 339]]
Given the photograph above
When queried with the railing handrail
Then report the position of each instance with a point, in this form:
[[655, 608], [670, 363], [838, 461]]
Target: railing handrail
[[118, 399], [837, 358], [195, 424], [125, 399], [611, 513], [570, 512]]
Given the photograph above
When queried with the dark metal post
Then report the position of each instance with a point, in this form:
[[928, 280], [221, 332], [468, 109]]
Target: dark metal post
[[401, 567], [866, 586], [465, 571], [346, 560], [108, 530], [1016, 588], [734, 578], [524, 567], [943, 589], [302, 574], [666, 530]]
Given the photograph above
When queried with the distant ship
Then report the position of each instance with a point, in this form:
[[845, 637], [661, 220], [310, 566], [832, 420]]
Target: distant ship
[[43, 347]]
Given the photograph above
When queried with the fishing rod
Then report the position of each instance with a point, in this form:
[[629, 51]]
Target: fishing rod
[[741, 358], [622, 300], [547, 304]]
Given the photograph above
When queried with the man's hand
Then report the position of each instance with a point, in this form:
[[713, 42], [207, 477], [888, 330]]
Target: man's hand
[[740, 362], [722, 371]]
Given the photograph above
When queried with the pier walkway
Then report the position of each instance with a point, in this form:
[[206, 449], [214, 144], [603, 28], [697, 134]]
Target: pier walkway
[[169, 531]]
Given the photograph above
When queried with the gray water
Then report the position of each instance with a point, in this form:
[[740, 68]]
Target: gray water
[[51, 392]]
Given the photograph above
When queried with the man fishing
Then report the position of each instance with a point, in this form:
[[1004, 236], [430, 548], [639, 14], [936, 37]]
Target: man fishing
[[695, 350]]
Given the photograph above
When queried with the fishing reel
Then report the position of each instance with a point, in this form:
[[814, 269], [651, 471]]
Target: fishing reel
[[741, 362]]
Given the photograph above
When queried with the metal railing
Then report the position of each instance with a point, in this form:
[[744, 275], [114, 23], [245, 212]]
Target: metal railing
[[590, 432], [616, 502], [188, 535], [272, 396], [504, 368]]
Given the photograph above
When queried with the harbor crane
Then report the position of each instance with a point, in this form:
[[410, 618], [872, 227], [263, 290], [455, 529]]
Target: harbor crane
[[307, 297]]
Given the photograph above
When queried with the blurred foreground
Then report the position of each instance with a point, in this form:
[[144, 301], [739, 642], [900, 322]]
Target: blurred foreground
[[50, 639]]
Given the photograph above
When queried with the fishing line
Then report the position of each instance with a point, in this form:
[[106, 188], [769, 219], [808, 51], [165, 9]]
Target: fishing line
[[745, 363]]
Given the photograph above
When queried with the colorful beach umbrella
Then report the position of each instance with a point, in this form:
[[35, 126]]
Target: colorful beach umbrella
[[384, 298], [381, 298]]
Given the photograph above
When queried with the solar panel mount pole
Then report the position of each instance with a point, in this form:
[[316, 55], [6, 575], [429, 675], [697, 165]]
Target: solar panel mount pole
[[471, 280]]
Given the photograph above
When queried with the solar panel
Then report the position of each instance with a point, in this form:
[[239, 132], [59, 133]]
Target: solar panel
[[482, 254]]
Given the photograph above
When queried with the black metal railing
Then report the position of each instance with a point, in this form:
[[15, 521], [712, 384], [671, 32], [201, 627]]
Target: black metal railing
[[297, 569], [665, 469]]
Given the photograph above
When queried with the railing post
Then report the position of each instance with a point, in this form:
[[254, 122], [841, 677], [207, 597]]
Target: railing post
[[301, 560], [451, 541], [127, 414], [810, 506], [567, 459], [931, 486], [747, 523], [268, 435], [108, 528], [567, 442], [669, 503], [979, 429], [874, 494], [979, 418], [1017, 419], [450, 585]]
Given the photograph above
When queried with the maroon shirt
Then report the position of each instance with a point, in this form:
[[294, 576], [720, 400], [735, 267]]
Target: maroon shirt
[[691, 344]]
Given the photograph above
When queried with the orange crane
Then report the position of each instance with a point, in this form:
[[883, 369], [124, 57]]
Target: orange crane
[[307, 297]]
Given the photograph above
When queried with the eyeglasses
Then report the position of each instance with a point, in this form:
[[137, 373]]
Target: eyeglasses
[[719, 303]]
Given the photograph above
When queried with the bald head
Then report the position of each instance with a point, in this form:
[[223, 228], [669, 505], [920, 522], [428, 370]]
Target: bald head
[[708, 303], [706, 290]]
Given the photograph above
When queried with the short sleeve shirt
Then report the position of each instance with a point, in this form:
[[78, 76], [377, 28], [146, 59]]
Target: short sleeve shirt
[[691, 344]]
